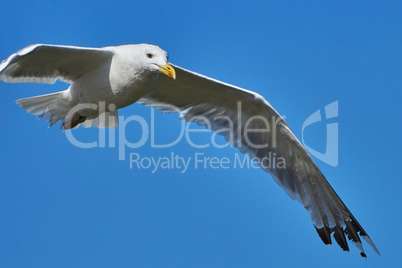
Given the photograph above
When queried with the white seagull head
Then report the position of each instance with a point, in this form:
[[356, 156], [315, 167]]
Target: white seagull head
[[149, 57]]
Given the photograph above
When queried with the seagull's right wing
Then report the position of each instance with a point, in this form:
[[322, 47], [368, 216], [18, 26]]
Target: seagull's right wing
[[47, 63], [250, 123]]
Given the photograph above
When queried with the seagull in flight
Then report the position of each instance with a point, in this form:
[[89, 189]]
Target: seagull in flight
[[103, 80]]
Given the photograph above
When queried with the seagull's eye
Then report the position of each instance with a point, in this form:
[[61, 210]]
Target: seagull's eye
[[149, 55]]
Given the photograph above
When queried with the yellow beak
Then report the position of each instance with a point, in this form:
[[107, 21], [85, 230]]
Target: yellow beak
[[168, 70]]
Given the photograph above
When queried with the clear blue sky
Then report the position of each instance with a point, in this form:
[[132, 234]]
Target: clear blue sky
[[63, 206]]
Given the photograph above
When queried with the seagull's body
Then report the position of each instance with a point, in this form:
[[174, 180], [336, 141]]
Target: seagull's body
[[120, 76], [111, 75]]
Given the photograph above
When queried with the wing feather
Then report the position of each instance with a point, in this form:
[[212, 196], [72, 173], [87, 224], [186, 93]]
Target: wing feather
[[46, 63], [222, 107]]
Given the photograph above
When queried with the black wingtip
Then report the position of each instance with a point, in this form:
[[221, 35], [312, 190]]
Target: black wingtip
[[352, 231], [340, 238], [325, 235]]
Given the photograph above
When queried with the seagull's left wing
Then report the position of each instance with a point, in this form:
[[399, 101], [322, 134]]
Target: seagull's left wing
[[250, 123], [46, 63]]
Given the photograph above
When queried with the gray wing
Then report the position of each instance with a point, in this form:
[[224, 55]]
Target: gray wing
[[47, 63], [232, 112]]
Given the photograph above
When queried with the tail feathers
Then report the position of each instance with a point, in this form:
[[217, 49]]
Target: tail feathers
[[48, 106], [54, 108]]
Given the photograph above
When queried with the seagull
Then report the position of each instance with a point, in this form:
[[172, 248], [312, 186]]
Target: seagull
[[103, 80]]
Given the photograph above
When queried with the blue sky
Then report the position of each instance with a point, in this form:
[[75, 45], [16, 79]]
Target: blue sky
[[63, 206]]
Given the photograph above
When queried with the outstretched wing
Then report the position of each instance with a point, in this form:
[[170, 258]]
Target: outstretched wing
[[47, 63], [250, 123]]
